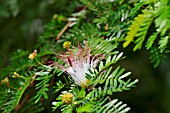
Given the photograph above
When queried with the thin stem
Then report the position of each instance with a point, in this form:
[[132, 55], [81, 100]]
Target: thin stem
[[8, 85], [65, 27], [39, 62], [63, 30]]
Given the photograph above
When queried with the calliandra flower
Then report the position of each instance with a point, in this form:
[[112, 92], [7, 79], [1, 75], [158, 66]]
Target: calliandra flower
[[33, 55], [78, 63], [67, 98]]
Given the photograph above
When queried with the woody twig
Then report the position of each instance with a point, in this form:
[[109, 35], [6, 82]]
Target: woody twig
[[66, 27]]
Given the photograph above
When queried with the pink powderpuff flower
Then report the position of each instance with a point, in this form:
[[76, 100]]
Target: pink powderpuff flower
[[78, 63]]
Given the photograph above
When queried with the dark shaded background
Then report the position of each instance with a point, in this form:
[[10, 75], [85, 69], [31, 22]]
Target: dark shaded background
[[22, 22]]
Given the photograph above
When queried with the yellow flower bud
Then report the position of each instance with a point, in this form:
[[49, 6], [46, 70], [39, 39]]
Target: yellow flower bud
[[33, 55], [5, 81], [67, 98], [15, 75], [106, 27], [66, 44], [55, 16]]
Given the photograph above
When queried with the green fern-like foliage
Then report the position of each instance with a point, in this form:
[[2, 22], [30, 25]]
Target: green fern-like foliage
[[157, 14], [157, 56], [113, 106], [99, 47], [42, 86], [104, 82], [15, 97], [110, 81], [97, 30], [139, 29]]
